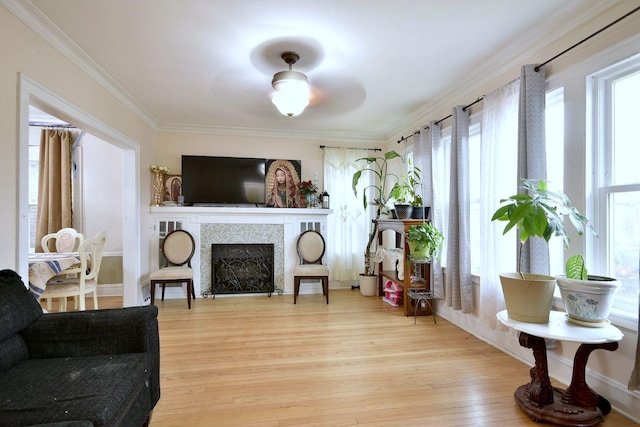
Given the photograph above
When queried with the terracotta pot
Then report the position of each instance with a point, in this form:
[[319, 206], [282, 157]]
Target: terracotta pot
[[529, 299], [588, 302]]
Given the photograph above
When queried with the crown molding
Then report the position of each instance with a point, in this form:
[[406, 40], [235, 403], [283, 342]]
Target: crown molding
[[35, 20], [353, 137], [519, 51]]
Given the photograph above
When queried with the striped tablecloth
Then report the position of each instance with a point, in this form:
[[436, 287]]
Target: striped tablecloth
[[44, 266]]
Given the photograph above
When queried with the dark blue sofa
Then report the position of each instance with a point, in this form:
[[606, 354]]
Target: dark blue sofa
[[89, 368]]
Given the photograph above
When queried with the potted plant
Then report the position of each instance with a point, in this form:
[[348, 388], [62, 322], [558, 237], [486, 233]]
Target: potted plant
[[425, 242], [405, 194], [379, 167], [538, 212], [587, 299]]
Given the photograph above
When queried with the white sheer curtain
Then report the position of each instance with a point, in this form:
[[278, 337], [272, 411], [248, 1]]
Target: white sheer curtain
[[429, 155], [458, 287], [497, 180], [348, 226], [532, 157]]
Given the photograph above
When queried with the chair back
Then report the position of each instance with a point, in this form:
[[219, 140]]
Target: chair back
[[65, 240], [91, 257], [310, 247], [178, 247]]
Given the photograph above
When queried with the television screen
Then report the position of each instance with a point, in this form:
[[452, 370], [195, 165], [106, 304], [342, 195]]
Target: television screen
[[223, 180]]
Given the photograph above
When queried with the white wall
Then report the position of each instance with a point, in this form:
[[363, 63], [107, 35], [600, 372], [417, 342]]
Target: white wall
[[102, 192]]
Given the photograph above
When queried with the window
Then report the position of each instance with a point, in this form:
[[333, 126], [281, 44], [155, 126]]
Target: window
[[554, 135], [474, 195], [616, 184]]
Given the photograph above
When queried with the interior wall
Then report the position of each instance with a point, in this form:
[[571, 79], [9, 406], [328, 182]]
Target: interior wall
[[26, 54], [172, 145]]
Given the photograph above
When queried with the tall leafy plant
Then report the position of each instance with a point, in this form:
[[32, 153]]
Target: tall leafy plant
[[539, 212], [378, 166]]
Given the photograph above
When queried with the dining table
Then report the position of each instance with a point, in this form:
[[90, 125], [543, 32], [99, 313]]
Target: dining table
[[44, 266]]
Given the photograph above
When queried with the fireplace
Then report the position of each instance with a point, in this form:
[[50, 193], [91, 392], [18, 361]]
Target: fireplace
[[242, 268]]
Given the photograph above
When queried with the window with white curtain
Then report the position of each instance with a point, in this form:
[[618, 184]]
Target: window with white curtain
[[554, 135], [613, 94], [474, 194]]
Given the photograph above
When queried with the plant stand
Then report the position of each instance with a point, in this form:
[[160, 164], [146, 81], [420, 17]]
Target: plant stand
[[421, 296], [578, 405]]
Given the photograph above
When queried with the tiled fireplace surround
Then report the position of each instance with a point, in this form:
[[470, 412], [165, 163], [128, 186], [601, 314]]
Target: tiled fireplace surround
[[243, 225]]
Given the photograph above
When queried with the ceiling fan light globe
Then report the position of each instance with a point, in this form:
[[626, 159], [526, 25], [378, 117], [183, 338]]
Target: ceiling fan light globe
[[292, 96]]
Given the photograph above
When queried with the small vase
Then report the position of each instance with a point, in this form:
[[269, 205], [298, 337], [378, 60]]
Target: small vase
[[158, 189]]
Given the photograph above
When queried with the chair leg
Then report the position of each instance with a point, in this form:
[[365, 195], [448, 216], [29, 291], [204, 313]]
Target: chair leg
[[153, 292], [296, 288], [325, 287], [95, 299], [189, 291], [163, 285]]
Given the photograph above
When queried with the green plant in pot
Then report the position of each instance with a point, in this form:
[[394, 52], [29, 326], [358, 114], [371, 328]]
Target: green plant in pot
[[587, 299], [378, 166], [425, 242], [405, 193], [538, 212]]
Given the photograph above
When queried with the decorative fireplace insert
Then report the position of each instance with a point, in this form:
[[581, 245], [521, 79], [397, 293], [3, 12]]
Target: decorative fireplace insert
[[242, 268]]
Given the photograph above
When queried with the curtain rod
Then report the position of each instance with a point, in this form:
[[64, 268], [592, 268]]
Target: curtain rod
[[404, 138], [51, 125], [352, 148], [537, 68]]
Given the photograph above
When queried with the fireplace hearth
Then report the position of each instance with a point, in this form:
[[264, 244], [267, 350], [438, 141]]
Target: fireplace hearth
[[242, 268]]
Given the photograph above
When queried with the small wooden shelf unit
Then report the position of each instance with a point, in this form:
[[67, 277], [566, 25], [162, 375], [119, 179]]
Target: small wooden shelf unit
[[400, 227]]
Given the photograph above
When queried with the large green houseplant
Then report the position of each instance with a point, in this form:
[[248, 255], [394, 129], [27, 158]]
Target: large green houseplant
[[537, 212], [380, 189]]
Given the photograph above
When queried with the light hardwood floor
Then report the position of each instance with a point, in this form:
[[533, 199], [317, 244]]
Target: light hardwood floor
[[259, 361]]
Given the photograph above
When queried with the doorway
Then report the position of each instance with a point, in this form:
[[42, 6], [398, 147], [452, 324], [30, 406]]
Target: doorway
[[33, 94]]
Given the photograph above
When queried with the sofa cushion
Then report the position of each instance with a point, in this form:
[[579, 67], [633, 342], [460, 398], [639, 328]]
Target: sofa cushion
[[98, 389], [18, 307]]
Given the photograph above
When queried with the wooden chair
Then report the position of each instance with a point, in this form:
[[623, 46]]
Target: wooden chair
[[90, 252], [178, 248], [310, 247], [65, 240]]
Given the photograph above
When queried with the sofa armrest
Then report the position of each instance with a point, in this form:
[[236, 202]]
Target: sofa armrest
[[91, 333]]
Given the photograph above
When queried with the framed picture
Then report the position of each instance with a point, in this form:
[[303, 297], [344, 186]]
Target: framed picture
[[281, 183], [172, 188]]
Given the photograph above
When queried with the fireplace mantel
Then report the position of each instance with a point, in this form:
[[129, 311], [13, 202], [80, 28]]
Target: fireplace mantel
[[198, 220]]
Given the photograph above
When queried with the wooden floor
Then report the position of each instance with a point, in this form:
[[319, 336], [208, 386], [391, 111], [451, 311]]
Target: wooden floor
[[260, 361]]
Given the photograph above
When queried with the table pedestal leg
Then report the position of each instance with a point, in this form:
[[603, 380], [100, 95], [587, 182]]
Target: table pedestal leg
[[574, 407]]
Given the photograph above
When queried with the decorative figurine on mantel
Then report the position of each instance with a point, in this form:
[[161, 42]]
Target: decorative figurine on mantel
[[158, 183]]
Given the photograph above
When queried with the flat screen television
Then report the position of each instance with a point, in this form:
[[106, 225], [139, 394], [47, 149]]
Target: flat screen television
[[219, 181]]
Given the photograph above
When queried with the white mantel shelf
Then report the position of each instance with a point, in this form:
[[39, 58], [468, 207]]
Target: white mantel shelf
[[292, 220], [224, 210]]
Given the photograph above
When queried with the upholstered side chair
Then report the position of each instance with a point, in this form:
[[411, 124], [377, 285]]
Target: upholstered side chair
[[311, 248], [178, 248]]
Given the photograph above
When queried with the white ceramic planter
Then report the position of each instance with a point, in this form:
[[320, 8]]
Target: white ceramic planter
[[529, 299], [368, 285], [588, 302]]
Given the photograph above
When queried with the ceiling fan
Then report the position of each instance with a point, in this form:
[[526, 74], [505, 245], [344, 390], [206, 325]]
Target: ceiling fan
[[292, 90]]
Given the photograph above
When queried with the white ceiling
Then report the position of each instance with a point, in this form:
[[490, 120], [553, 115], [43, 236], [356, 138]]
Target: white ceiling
[[376, 65]]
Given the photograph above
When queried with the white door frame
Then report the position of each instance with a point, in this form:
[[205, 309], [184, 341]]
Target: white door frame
[[32, 93]]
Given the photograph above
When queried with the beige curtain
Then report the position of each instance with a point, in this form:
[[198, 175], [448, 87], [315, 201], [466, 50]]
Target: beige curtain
[[54, 183]]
